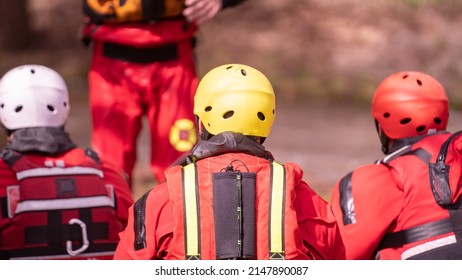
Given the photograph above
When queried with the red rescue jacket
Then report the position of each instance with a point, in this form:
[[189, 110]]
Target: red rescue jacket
[[235, 214], [405, 206], [256, 210]]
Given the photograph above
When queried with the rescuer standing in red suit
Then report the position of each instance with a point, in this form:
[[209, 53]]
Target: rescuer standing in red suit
[[229, 198], [57, 201], [143, 65], [407, 204]]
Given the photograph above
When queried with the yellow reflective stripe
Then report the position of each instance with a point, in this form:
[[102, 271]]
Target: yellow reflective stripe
[[277, 211], [191, 212]]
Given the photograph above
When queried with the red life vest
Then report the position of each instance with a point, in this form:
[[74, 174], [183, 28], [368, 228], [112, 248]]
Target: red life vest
[[60, 209], [224, 213], [443, 234]]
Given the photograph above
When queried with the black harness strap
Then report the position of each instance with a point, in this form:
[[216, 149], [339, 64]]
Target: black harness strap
[[417, 233], [346, 200], [139, 212], [4, 207], [38, 234], [421, 154], [49, 252], [92, 154]]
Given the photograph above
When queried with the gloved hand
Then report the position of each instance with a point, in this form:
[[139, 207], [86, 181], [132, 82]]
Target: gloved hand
[[113, 11], [99, 11], [201, 11], [120, 11]]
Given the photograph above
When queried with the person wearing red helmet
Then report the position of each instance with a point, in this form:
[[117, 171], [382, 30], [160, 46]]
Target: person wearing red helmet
[[229, 198], [406, 205], [143, 66], [57, 200]]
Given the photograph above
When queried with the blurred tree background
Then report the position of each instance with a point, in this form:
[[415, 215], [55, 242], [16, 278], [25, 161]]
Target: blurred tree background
[[333, 52]]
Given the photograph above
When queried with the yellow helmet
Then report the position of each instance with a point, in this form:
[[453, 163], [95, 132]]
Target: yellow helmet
[[237, 98]]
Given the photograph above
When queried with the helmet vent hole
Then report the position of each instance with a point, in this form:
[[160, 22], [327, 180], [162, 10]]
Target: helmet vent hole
[[273, 112], [421, 128], [405, 121], [2, 105], [261, 116], [405, 76], [386, 115], [50, 108], [18, 109], [437, 120], [229, 67], [243, 72], [32, 71], [228, 114], [419, 82], [208, 108], [65, 104]]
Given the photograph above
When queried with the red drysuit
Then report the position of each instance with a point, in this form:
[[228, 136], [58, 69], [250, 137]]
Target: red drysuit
[[391, 208], [142, 70], [157, 228]]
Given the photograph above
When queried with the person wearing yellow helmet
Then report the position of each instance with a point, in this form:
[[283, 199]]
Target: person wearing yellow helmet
[[229, 198]]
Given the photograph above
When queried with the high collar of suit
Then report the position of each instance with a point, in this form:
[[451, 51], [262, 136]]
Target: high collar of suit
[[398, 144], [227, 142], [46, 140]]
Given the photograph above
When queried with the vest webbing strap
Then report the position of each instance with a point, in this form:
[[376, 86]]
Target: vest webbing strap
[[191, 213], [276, 211], [417, 233]]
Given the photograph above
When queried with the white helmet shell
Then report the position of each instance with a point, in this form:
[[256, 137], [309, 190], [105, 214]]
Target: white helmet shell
[[33, 96]]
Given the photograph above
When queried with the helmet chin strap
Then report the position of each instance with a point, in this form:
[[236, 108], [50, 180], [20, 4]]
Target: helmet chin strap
[[201, 130]]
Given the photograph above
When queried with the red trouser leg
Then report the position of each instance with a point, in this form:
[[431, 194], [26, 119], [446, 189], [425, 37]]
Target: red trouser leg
[[170, 110], [122, 92], [116, 111]]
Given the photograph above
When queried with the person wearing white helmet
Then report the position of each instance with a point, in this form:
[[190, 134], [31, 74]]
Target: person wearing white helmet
[[229, 198], [57, 201]]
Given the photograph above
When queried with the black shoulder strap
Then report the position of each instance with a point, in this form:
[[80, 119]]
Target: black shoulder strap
[[92, 154], [414, 234], [421, 153], [139, 227], [439, 182], [444, 148], [439, 175], [346, 200]]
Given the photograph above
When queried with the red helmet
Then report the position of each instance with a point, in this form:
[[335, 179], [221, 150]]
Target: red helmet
[[408, 104]]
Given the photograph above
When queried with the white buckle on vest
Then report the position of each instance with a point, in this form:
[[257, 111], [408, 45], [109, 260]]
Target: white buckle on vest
[[85, 242]]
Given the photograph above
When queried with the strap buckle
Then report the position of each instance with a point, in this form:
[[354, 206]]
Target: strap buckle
[[85, 242]]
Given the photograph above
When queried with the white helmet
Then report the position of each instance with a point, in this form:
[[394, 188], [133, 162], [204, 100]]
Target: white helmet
[[33, 96]]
